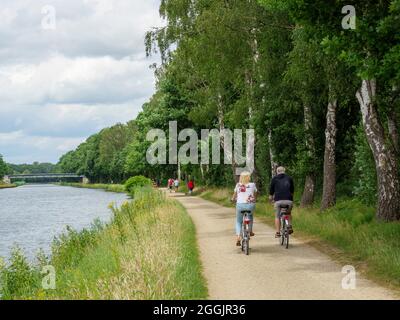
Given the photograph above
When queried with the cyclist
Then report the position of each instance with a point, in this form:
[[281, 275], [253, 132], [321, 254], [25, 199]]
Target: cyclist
[[245, 194], [281, 192]]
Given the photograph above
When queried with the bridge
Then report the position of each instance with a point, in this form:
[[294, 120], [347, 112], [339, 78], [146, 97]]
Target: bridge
[[45, 178]]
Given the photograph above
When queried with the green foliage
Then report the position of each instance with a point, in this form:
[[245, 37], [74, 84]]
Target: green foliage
[[137, 182], [17, 278], [258, 64], [33, 168], [101, 157], [3, 168], [364, 174]]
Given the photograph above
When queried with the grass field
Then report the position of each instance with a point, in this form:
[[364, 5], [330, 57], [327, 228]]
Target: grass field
[[147, 251], [348, 232]]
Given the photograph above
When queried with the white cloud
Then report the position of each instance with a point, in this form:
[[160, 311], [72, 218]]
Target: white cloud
[[59, 86], [66, 80], [28, 148]]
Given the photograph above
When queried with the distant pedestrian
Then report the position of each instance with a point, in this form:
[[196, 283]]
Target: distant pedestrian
[[176, 184], [170, 184], [190, 186]]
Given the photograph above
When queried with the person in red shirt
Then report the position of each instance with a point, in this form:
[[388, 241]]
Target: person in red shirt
[[170, 184], [190, 186]]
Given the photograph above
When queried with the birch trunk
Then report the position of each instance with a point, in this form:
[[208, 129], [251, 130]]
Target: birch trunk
[[202, 172], [384, 155], [307, 198], [393, 121], [329, 187], [221, 123], [393, 132], [274, 165]]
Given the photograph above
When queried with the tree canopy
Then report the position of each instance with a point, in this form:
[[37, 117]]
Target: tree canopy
[[322, 98]]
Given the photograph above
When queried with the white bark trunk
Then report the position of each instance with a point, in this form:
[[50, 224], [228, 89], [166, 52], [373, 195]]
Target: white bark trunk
[[393, 121], [202, 172], [307, 198], [274, 165], [384, 156], [221, 122], [393, 132], [329, 186]]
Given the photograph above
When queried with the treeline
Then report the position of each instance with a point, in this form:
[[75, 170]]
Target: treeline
[[321, 90], [33, 168], [36, 167], [3, 168]]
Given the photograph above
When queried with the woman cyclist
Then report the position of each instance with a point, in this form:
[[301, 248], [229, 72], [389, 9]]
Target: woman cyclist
[[245, 194]]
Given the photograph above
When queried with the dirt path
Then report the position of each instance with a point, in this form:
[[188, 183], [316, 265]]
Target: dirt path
[[270, 272]]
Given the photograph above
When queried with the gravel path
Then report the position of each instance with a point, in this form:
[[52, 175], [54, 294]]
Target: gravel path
[[270, 271]]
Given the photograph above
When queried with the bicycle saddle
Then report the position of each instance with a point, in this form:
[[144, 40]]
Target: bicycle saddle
[[246, 211]]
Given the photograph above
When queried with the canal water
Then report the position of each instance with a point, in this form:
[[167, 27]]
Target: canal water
[[32, 215]]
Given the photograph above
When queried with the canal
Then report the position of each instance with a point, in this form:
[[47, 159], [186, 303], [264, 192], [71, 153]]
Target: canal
[[32, 215]]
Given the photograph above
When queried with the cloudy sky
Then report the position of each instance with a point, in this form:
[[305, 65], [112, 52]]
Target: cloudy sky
[[69, 69]]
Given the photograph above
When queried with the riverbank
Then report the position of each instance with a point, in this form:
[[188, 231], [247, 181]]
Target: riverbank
[[119, 188], [348, 233], [12, 185], [7, 186], [147, 251]]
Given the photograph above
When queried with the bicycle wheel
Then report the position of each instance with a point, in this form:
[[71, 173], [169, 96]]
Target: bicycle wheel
[[282, 239], [246, 247], [243, 237], [287, 240], [286, 235]]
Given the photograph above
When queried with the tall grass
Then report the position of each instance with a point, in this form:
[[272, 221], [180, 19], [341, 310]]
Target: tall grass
[[147, 251], [349, 229]]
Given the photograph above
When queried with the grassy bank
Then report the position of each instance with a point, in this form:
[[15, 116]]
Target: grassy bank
[[147, 251], [119, 188], [7, 186], [348, 232]]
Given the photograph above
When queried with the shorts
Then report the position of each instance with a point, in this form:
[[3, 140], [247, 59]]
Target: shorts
[[280, 203]]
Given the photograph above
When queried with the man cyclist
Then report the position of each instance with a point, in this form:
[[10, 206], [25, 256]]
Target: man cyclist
[[281, 192]]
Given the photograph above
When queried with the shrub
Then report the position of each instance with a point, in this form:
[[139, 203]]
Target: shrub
[[18, 278], [137, 182]]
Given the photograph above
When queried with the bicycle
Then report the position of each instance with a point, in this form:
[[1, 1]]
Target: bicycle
[[284, 215], [246, 232]]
